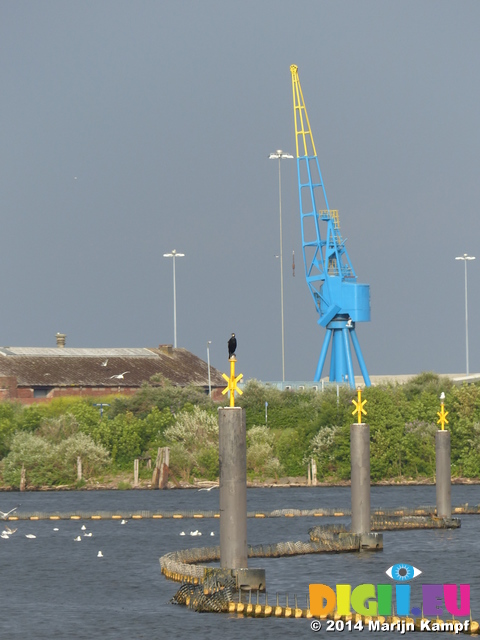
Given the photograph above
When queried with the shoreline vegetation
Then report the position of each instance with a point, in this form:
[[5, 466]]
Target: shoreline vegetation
[[43, 446], [293, 483]]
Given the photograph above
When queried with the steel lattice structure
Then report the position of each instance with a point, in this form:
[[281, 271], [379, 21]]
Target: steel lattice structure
[[339, 300]]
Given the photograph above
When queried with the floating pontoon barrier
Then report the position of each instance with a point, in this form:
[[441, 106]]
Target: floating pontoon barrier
[[465, 509], [215, 590]]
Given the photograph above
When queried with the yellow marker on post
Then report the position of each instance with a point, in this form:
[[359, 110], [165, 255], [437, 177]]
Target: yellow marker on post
[[442, 414], [232, 382], [359, 403]]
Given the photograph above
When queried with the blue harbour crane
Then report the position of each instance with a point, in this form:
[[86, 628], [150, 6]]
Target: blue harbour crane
[[339, 299]]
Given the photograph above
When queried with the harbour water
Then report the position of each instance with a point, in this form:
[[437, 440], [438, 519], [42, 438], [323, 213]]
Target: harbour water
[[54, 587]]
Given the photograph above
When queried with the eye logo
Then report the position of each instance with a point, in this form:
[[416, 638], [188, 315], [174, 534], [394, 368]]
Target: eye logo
[[402, 572]]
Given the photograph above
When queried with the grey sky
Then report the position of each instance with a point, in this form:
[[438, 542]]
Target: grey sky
[[130, 129]]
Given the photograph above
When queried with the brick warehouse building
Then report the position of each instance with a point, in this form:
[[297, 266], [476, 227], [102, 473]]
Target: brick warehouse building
[[38, 374]]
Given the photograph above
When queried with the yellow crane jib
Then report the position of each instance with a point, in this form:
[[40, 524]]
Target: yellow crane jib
[[305, 145], [359, 404], [232, 382]]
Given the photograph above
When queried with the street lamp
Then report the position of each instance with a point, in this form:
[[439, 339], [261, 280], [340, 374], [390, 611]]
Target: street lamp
[[174, 255], [466, 257], [281, 155], [208, 365]]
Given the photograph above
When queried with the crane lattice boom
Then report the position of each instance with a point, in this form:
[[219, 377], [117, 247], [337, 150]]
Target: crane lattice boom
[[339, 300]]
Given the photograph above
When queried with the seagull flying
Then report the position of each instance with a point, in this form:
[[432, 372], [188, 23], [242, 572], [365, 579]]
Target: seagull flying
[[119, 376], [104, 363], [214, 486], [5, 515]]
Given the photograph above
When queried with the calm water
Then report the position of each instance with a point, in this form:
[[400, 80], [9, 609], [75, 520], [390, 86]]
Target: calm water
[[53, 587]]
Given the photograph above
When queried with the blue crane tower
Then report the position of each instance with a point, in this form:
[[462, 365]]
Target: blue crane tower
[[339, 300]]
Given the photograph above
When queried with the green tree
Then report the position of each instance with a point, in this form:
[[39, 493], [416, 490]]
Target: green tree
[[322, 448], [290, 449], [261, 461], [50, 463], [8, 425], [193, 439]]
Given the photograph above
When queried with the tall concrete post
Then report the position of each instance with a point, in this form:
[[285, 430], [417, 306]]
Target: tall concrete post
[[233, 487], [360, 474], [443, 474]]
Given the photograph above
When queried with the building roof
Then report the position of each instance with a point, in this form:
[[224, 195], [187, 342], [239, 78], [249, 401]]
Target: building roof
[[54, 367], [69, 352]]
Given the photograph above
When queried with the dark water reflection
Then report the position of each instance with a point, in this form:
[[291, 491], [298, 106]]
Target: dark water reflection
[[53, 587]]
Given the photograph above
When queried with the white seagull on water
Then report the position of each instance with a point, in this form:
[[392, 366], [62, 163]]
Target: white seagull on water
[[9, 531]]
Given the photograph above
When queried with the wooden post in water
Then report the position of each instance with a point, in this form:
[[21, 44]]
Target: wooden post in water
[[161, 471], [309, 477], [135, 472], [164, 468], [23, 479], [79, 468], [156, 470]]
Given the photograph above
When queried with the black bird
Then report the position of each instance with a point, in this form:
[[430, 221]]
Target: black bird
[[232, 346]]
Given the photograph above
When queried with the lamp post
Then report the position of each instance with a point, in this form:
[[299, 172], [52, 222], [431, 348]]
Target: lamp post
[[174, 255], [280, 155], [466, 257], [208, 366]]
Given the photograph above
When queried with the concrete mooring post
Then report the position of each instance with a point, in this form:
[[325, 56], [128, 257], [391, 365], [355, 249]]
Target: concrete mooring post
[[443, 474], [232, 443], [360, 488], [360, 475], [233, 487]]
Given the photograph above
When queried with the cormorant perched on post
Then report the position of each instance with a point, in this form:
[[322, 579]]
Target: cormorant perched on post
[[232, 346]]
